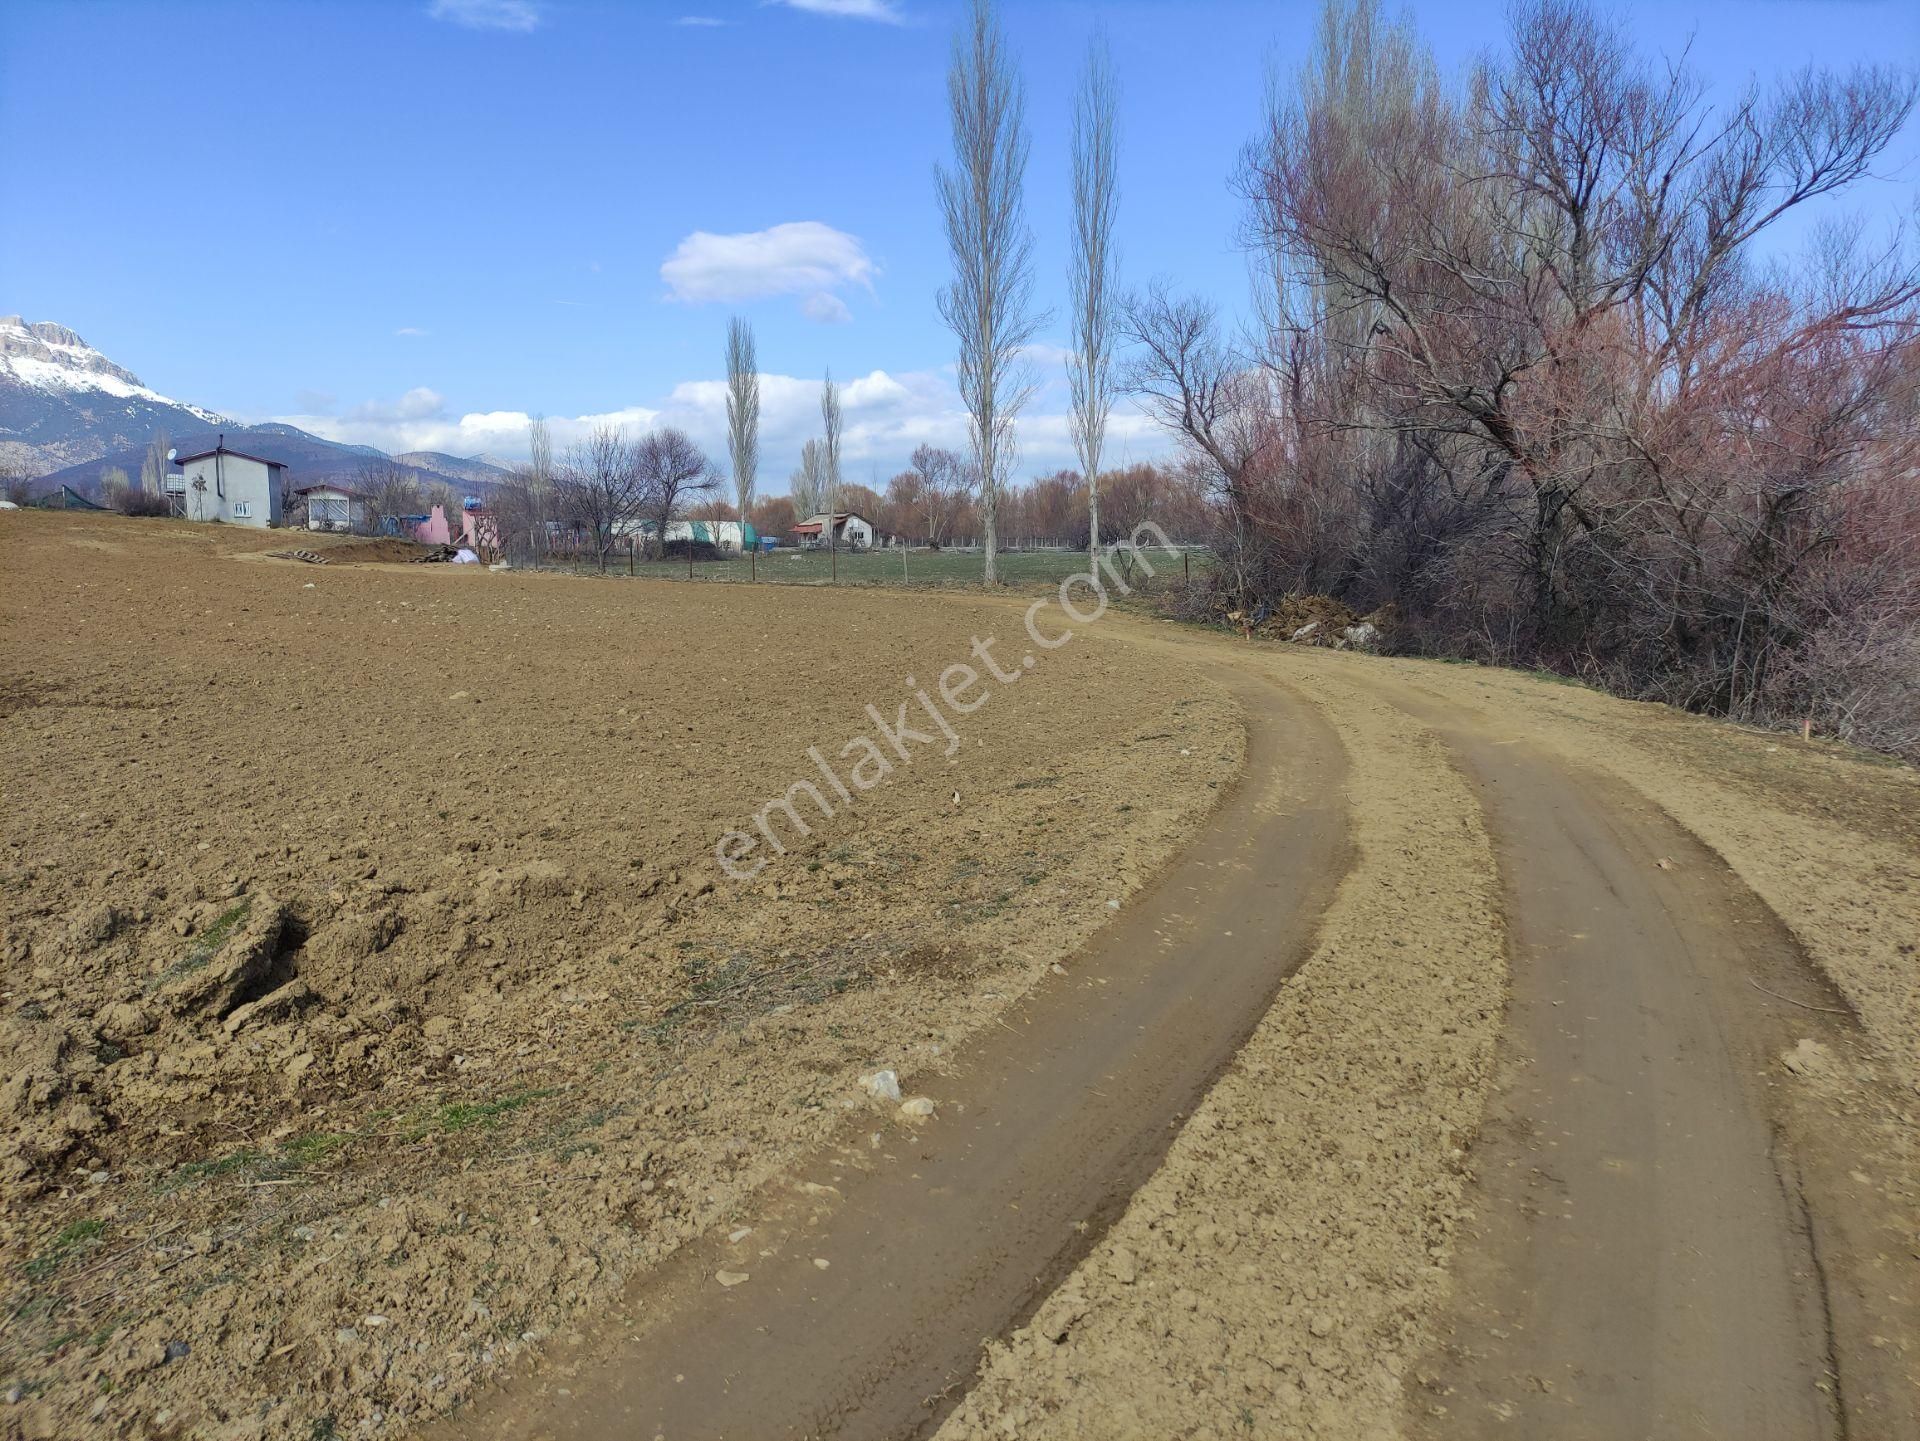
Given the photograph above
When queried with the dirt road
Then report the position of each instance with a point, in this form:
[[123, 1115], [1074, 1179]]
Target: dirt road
[[1641, 1267], [1660, 1245], [936, 1238], [1497, 1058]]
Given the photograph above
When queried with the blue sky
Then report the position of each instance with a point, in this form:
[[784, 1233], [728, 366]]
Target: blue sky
[[410, 224]]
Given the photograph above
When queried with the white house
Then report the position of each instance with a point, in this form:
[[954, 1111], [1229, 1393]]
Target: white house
[[851, 531], [332, 507], [232, 486]]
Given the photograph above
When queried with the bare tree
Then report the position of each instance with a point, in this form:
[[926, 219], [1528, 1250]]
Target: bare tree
[[947, 484], [808, 481], [600, 488], [830, 450], [523, 510], [15, 480], [539, 452], [988, 306], [674, 474], [387, 491], [526, 513], [743, 411], [1525, 377], [1193, 380], [153, 465], [1089, 371]]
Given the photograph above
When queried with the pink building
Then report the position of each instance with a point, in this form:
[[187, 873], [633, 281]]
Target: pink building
[[434, 530]]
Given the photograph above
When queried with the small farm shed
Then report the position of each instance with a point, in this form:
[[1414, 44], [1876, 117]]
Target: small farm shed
[[727, 537], [332, 507], [849, 529], [233, 487]]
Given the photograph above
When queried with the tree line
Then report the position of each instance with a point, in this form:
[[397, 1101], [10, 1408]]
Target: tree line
[[935, 502], [1530, 368]]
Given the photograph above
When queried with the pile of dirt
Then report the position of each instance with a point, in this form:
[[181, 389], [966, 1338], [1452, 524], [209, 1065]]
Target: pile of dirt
[[380, 550], [371, 1004]]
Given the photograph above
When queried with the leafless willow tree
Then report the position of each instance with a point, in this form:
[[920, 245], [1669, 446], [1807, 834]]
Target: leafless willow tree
[[830, 450], [989, 304], [1524, 375], [1189, 375], [743, 411], [1095, 201]]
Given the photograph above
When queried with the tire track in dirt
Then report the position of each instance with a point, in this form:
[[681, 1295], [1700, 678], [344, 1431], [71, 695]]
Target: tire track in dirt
[[1642, 1262], [1276, 1275], [940, 1237]]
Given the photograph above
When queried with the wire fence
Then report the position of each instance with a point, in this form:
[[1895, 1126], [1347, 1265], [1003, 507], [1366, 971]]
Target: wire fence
[[887, 566]]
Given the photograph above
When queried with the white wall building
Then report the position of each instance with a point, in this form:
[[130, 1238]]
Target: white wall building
[[233, 487], [851, 530], [332, 507]]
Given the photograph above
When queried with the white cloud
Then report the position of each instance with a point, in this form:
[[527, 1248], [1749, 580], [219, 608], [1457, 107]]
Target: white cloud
[[701, 22], [517, 15], [410, 330], [885, 415], [801, 257], [885, 11], [420, 420], [826, 307]]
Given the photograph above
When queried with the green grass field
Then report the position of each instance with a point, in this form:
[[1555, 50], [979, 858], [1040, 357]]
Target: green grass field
[[1036, 569]]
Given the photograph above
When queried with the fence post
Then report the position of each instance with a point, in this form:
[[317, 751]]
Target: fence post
[[629, 552], [753, 562], [1186, 567]]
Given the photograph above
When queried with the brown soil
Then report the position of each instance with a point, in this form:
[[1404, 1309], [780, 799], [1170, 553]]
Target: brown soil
[[936, 1233], [368, 1019], [371, 1009], [1694, 1206]]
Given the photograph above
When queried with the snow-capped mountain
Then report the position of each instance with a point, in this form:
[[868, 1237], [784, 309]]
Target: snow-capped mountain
[[67, 412], [62, 401]]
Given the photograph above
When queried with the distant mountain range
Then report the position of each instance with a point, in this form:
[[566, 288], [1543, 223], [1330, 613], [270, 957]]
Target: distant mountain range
[[67, 413]]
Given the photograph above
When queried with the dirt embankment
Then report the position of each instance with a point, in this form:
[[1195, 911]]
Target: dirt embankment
[[1275, 1275], [371, 1007]]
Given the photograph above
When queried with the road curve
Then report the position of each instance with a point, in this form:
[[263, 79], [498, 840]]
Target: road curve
[[938, 1239], [1641, 1265]]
